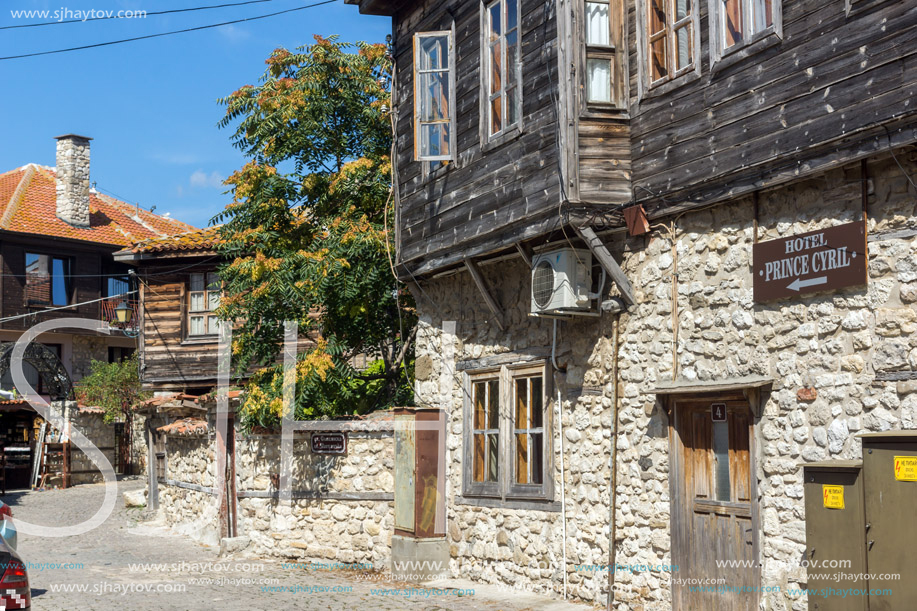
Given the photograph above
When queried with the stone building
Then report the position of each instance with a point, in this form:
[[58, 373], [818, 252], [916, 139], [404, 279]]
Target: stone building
[[58, 235], [589, 196]]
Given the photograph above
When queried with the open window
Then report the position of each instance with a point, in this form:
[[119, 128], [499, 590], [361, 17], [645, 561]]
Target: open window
[[434, 114]]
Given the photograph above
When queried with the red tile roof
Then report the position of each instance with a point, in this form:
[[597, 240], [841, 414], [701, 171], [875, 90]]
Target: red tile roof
[[185, 426], [28, 204], [199, 239]]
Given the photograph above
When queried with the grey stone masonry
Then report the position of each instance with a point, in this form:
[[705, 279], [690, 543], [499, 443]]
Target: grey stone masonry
[[73, 179]]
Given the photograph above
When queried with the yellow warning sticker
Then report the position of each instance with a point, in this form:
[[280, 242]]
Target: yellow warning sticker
[[906, 468], [834, 496]]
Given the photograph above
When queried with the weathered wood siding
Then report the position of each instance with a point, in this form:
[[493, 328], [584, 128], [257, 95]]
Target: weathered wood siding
[[167, 361], [604, 161], [483, 201], [817, 98]]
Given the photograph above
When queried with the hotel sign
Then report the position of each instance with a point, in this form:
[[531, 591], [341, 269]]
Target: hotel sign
[[824, 260]]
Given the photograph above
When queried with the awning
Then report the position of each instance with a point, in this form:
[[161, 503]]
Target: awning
[[687, 387], [749, 385]]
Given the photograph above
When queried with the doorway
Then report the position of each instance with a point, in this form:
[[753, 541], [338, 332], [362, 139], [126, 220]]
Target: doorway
[[714, 504]]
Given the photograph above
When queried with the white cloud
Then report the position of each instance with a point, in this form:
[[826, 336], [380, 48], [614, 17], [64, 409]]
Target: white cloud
[[233, 34], [202, 179]]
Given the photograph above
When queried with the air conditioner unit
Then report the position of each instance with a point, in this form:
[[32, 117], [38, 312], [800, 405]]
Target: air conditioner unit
[[561, 281]]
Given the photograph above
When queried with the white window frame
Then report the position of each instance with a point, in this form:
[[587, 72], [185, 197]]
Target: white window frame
[[450, 121], [717, 8], [669, 32], [506, 488], [487, 96], [209, 279]]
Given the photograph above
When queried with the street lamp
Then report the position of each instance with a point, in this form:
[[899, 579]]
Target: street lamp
[[123, 313]]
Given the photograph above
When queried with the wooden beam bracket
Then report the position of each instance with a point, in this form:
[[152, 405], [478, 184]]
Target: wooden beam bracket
[[604, 257], [492, 304]]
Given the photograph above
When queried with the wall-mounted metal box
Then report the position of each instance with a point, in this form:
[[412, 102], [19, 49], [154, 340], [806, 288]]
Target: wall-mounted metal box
[[419, 548], [835, 534], [890, 473]]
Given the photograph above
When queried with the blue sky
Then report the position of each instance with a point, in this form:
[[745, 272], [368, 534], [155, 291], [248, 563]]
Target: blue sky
[[150, 106]]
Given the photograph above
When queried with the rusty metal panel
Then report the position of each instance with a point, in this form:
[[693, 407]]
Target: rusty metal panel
[[835, 531], [891, 499], [429, 492], [405, 452]]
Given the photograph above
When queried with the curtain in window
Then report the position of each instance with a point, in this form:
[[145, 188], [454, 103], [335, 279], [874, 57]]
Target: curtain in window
[[597, 24], [598, 73]]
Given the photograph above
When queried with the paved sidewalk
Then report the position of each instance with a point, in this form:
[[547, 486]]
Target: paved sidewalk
[[128, 564]]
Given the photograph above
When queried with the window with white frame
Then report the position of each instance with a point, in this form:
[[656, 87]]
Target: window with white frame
[[670, 39], [741, 21], [507, 440], [501, 67], [600, 50], [433, 97], [203, 299]]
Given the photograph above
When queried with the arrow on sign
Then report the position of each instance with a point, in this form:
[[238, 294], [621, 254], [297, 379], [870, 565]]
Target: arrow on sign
[[801, 284]]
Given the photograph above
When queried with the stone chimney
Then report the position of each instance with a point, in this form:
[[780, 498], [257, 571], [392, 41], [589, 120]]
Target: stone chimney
[[73, 179]]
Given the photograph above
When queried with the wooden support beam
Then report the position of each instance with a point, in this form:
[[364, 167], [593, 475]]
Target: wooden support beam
[[525, 252], [611, 266], [479, 281]]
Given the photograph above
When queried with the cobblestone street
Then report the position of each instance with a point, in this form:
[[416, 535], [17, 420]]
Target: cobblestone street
[[109, 568]]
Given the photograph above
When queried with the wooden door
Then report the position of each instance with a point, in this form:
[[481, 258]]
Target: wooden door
[[714, 512]]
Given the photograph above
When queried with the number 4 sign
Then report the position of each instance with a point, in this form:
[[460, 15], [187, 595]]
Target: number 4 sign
[[718, 412]]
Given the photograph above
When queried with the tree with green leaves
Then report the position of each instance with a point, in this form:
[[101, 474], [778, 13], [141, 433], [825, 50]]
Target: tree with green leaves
[[305, 235], [115, 387]]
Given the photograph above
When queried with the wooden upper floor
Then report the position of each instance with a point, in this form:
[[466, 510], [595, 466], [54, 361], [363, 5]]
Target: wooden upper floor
[[514, 117], [179, 292]]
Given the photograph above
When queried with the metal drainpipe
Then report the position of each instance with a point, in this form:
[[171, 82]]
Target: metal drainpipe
[[613, 496], [563, 485]]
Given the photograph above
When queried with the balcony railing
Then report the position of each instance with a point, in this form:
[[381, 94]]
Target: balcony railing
[[110, 316]]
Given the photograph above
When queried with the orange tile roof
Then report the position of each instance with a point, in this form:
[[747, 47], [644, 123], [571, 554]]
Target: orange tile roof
[[185, 426], [28, 204], [198, 239]]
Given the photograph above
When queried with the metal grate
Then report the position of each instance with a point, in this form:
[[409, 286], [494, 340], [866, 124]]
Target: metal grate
[[543, 284]]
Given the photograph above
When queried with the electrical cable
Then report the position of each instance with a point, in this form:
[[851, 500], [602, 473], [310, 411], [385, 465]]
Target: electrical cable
[[145, 14], [148, 36], [66, 307]]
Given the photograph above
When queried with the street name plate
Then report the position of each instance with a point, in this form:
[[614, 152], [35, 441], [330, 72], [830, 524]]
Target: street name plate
[[823, 260], [329, 443]]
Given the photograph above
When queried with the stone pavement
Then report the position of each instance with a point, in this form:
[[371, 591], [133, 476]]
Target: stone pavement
[[130, 564]]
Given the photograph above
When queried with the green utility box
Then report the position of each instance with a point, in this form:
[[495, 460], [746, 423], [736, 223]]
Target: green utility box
[[835, 534], [890, 472]]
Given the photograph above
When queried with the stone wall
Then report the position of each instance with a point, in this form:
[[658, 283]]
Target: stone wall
[[354, 520], [342, 504], [86, 348], [832, 343], [91, 423]]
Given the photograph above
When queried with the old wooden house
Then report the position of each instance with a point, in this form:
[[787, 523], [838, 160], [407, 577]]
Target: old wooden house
[[590, 194], [179, 292], [58, 235]]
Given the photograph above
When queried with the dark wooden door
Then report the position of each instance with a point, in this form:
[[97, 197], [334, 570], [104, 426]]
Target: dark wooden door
[[714, 513]]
